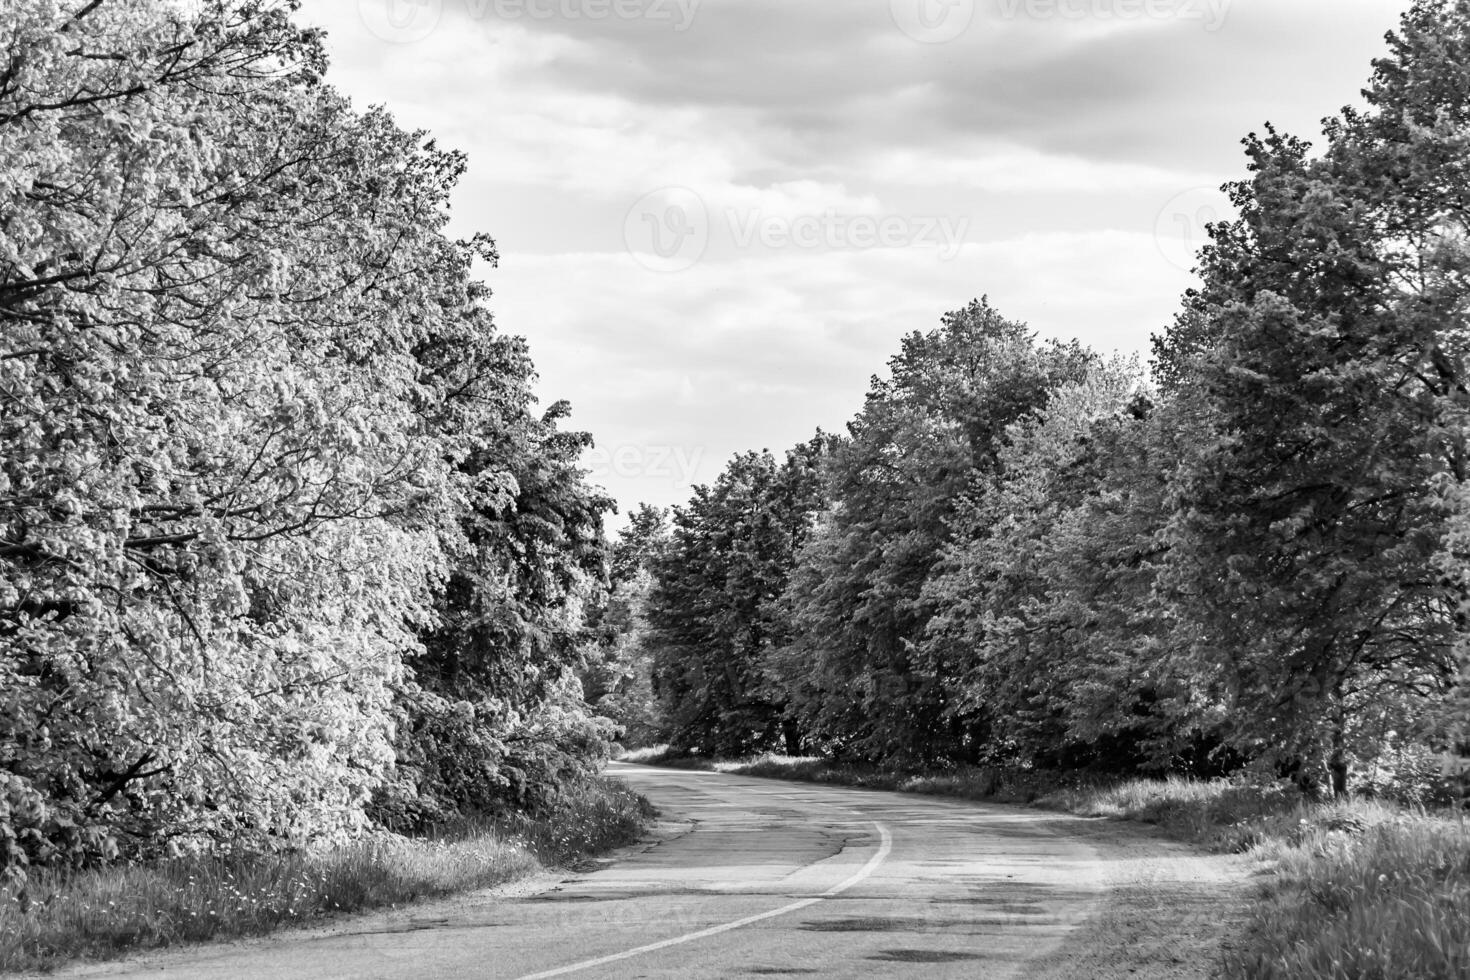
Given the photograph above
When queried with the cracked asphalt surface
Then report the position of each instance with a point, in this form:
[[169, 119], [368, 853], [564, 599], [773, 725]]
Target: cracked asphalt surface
[[756, 878]]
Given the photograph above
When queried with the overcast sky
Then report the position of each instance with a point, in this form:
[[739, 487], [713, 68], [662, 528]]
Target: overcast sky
[[716, 219]]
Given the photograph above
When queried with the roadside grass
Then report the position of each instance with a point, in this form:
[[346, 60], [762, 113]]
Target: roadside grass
[[1355, 889], [106, 912], [1222, 814], [1362, 891], [651, 754], [1349, 889]]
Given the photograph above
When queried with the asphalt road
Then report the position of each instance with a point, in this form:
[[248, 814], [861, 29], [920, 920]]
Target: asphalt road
[[748, 878]]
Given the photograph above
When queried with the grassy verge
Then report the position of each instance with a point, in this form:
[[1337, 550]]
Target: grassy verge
[[106, 912], [1350, 890], [1371, 893]]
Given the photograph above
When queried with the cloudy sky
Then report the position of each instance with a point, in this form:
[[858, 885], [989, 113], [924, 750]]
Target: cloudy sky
[[717, 217]]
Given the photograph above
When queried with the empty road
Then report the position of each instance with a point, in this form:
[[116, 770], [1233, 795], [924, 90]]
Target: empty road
[[746, 878]]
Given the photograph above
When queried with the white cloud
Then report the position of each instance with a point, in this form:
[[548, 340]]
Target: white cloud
[[761, 350], [1071, 159], [988, 166]]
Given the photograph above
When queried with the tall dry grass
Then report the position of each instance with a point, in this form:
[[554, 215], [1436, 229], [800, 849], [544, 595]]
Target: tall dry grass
[[1362, 892], [104, 912]]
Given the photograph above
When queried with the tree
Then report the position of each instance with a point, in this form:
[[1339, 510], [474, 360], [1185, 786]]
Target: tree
[[1325, 357], [712, 614], [493, 716], [926, 435], [619, 682], [248, 393], [1045, 598]]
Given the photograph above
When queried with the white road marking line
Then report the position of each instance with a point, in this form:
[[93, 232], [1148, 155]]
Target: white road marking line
[[885, 846]]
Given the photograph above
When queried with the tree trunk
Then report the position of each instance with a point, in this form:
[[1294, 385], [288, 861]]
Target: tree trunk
[[1337, 763], [791, 734], [1301, 775]]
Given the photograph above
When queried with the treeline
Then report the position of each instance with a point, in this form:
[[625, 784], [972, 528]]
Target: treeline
[[286, 548], [1028, 553]]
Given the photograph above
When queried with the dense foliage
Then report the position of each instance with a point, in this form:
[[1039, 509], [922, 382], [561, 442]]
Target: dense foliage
[[713, 614], [618, 679], [281, 538], [857, 674], [1032, 554]]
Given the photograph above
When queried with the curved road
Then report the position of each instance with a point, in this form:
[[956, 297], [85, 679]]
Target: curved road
[[753, 878]]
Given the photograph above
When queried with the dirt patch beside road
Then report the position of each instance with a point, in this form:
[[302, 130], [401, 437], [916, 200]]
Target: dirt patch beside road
[[1170, 913]]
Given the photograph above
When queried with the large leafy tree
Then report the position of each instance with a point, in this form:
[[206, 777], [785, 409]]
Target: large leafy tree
[[1325, 354], [926, 436], [713, 613], [494, 716], [1045, 600], [248, 395]]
